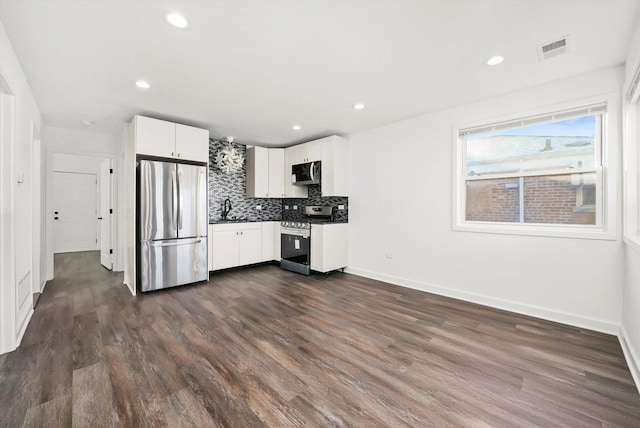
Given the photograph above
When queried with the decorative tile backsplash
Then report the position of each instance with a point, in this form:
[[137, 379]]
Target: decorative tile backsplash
[[233, 186], [288, 213]]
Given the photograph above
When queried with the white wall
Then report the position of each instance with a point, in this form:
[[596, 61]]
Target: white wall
[[71, 141], [631, 291], [16, 253], [401, 204]]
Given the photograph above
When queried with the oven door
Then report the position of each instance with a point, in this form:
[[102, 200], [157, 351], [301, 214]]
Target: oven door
[[295, 253]]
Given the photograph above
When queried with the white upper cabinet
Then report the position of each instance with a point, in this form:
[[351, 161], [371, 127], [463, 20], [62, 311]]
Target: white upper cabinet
[[276, 179], [160, 138], [291, 157], [154, 137], [192, 143], [257, 162], [312, 151], [335, 167], [306, 152], [264, 172]]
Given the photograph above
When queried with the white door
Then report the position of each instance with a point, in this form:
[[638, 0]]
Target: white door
[[106, 214], [74, 212]]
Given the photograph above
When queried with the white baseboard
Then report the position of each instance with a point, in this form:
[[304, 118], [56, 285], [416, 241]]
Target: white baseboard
[[23, 327], [630, 355], [524, 309], [129, 286]]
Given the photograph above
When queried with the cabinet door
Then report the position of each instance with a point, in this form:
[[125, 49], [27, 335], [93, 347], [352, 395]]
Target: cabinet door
[[276, 178], [329, 247], [257, 180], [210, 249], [224, 249], [291, 191], [154, 137], [335, 164], [277, 247], [192, 143], [250, 246], [268, 242], [317, 247], [313, 151]]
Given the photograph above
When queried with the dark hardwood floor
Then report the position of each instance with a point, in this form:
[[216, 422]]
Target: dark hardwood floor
[[266, 347]]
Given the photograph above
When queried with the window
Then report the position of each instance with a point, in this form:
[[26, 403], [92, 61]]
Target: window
[[542, 171]]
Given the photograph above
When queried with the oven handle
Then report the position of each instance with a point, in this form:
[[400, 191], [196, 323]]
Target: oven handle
[[296, 235]]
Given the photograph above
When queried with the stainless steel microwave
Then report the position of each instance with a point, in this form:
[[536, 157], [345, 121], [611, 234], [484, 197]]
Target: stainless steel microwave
[[304, 174]]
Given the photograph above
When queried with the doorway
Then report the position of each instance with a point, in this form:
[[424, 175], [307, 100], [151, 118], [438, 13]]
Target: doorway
[[81, 207], [75, 212]]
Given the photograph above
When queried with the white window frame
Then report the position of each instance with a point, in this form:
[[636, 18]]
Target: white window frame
[[631, 165], [605, 169]]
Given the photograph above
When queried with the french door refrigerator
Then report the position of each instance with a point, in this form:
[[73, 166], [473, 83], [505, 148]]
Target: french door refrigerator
[[172, 224]]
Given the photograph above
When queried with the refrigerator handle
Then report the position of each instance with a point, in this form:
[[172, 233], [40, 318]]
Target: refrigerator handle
[[179, 200], [174, 194], [198, 202]]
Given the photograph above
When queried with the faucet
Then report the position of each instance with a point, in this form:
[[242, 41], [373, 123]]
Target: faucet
[[225, 210]]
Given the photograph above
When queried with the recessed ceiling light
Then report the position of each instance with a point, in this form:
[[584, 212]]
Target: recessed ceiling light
[[296, 127], [143, 84], [494, 60], [87, 122], [358, 106], [177, 20]]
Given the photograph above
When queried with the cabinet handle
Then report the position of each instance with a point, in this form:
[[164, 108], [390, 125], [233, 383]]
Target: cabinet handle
[[173, 154], [178, 154]]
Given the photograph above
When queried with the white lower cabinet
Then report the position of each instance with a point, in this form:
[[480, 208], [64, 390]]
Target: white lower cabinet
[[268, 243], [277, 241], [329, 250], [234, 244]]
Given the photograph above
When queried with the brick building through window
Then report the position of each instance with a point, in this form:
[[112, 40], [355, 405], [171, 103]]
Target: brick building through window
[[545, 173]]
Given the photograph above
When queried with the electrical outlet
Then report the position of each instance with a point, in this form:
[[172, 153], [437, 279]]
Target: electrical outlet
[[259, 207], [389, 256], [295, 207], [286, 207], [341, 207]]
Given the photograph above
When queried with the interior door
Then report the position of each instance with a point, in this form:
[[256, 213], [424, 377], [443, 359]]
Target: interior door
[[105, 219], [74, 216]]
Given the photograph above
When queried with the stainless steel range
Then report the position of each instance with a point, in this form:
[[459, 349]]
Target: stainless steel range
[[295, 236]]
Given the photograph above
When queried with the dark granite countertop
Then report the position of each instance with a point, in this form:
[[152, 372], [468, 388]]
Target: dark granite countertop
[[241, 220], [253, 220]]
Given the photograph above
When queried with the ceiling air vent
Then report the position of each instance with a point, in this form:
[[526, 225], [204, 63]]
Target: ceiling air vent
[[555, 48]]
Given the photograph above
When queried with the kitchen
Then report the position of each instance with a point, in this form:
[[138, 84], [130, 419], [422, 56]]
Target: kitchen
[[435, 319], [303, 225]]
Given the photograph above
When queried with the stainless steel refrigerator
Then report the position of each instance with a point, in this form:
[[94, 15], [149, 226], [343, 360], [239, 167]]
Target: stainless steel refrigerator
[[172, 224]]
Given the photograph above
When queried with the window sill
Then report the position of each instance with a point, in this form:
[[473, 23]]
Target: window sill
[[585, 209], [549, 231], [632, 242]]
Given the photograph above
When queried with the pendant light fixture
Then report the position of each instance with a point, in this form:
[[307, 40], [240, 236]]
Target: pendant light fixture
[[229, 159]]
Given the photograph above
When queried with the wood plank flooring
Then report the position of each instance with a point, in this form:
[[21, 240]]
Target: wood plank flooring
[[266, 347]]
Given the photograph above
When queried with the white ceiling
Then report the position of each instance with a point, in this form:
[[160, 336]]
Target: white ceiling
[[252, 69]]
